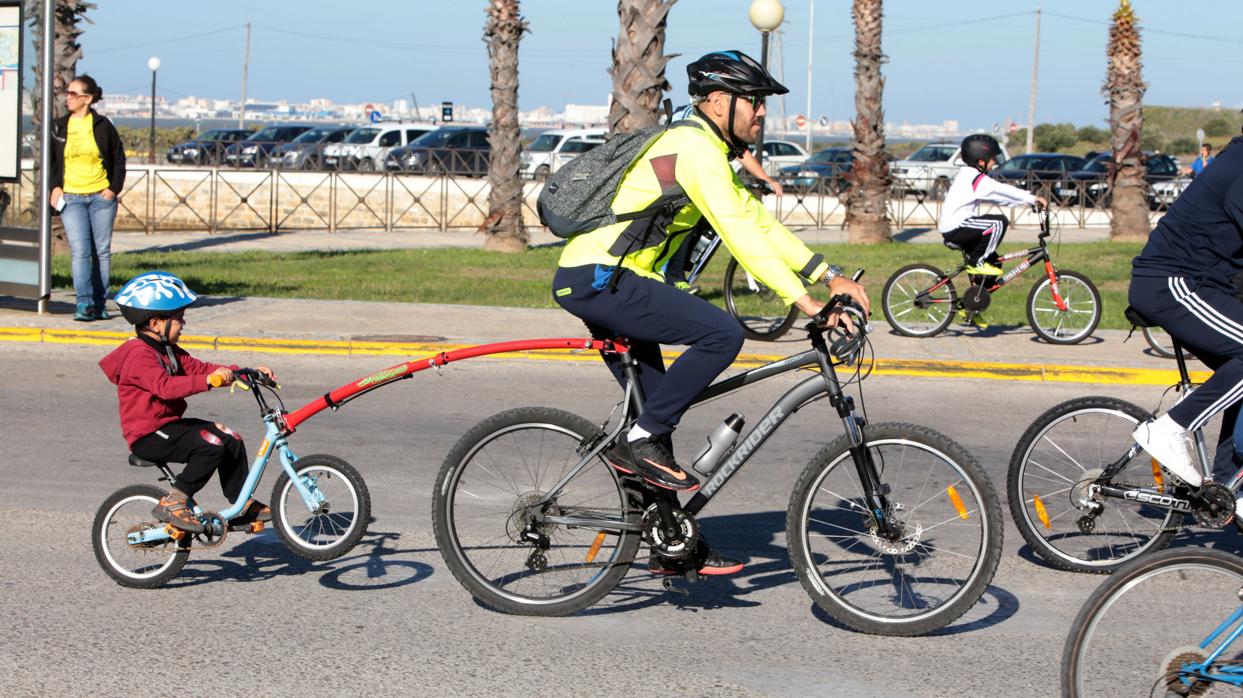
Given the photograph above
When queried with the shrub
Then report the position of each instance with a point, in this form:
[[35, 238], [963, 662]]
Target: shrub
[[1054, 137]]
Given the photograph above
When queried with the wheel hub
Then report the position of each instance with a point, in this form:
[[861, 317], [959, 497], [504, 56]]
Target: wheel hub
[[1082, 494], [522, 517], [906, 538], [1178, 683]]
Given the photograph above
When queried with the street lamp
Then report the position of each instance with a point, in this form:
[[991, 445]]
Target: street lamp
[[154, 64], [765, 15]]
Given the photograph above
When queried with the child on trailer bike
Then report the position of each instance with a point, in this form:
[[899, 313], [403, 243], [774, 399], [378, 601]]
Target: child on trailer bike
[[154, 376], [961, 224], [1186, 280], [610, 277]]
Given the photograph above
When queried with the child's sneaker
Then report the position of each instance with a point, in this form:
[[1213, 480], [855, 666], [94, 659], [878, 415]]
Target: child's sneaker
[[254, 511], [984, 269], [174, 509], [969, 319]]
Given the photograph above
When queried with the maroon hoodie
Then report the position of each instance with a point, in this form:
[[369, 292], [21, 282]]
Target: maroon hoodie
[[148, 398]]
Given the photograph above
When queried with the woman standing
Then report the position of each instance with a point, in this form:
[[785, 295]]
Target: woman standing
[[87, 173]]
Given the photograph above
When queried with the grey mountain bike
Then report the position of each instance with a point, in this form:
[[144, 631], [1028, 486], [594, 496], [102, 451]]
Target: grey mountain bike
[[893, 528]]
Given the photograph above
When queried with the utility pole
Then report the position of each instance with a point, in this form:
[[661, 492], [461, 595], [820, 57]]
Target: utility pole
[[811, 24], [1031, 107], [241, 117], [42, 198], [779, 71]]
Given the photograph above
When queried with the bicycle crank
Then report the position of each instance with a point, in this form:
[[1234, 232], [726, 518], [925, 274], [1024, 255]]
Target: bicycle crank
[[214, 530], [1213, 505], [678, 543]]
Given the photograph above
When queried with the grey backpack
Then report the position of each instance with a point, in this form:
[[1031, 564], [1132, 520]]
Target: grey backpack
[[578, 197]]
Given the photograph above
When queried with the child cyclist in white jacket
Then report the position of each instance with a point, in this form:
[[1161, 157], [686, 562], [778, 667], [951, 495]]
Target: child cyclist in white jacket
[[961, 224]]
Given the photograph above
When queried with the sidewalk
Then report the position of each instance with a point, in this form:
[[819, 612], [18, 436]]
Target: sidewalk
[[412, 330]]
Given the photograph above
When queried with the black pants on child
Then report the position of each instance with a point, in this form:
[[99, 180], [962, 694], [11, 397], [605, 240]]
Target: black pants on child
[[979, 236], [205, 447]]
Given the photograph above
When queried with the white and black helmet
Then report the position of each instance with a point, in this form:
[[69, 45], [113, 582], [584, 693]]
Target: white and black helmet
[[153, 294], [731, 71]]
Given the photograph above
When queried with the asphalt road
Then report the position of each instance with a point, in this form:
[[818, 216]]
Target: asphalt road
[[250, 618]]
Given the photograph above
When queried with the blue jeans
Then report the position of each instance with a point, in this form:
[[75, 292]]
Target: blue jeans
[[88, 222]]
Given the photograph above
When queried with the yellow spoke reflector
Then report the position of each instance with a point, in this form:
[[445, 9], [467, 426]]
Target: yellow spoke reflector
[[1157, 477], [958, 505], [1040, 510], [595, 547]]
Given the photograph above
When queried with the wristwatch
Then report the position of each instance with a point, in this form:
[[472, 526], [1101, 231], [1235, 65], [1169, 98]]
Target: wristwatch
[[831, 273]]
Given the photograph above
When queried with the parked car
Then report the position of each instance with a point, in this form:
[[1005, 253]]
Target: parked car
[[779, 154], [1037, 172], [829, 166], [452, 150], [552, 149], [306, 151], [1162, 194], [256, 150], [207, 148], [929, 170], [368, 147], [1090, 185]]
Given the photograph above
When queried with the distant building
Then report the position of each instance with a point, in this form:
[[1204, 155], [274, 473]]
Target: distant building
[[586, 114]]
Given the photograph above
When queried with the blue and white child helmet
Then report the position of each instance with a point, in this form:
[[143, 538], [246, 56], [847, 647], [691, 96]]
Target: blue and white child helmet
[[153, 294]]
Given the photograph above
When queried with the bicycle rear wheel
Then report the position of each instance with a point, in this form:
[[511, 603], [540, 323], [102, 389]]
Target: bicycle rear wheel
[[1070, 326], [1064, 450], [912, 307], [143, 566], [486, 515], [762, 313], [922, 580], [1140, 632]]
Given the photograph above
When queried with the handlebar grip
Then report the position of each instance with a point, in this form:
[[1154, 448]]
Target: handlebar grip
[[215, 381]]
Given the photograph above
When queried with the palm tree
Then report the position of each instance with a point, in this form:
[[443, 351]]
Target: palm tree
[[66, 51], [867, 200], [639, 63], [1124, 86], [503, 225]]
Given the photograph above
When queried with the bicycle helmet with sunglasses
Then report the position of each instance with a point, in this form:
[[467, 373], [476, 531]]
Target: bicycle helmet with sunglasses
[[731, 71], [153, 294]]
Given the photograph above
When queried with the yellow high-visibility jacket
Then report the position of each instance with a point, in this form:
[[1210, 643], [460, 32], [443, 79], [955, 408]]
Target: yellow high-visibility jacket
[[695, 161]]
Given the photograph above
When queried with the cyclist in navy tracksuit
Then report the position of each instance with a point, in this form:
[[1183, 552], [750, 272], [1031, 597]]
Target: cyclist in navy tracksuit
[[1185, 280]]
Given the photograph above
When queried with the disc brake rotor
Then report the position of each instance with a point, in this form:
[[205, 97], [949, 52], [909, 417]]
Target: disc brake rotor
[[908, 538]]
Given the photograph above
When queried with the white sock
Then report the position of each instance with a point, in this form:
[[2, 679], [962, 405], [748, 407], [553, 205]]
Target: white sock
[[637, 432]]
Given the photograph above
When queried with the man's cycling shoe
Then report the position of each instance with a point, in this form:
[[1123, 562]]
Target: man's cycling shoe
[[650, 460], [713, 565], [1172, 446]]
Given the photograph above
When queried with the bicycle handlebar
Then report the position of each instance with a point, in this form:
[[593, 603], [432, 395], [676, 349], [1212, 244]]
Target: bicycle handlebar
[[846, 346], [246, 376]]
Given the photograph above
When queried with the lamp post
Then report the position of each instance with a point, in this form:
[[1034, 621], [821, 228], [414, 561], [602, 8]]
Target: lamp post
[[765, 15], [154, 64]]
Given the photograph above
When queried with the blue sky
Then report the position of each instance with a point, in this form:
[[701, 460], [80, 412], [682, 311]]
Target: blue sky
[[951, 59]]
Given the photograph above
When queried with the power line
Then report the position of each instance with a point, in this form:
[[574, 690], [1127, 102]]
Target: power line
[[1150, 30], [167, 41]]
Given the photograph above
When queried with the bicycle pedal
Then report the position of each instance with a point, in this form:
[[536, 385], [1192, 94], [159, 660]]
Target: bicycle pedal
[[174, 532], [255, 527], [668, 584]]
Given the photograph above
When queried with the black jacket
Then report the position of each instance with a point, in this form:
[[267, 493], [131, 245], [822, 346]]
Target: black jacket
[[111, 151], [1201, 236]]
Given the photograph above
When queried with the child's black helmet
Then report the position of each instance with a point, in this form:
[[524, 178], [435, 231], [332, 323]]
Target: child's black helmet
[[977, 147], [731, 71]]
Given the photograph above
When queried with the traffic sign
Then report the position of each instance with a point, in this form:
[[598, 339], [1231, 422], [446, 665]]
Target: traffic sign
[[824, 121], [446, 112], [1014, 128], [800, 120], [373, 116]]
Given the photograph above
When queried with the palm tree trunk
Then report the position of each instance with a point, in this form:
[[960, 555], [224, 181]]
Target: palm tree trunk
[[867, 200], [503, 225], [639, 61], [1124, 86]]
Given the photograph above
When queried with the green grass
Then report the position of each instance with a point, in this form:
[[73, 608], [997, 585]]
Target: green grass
[[476, 277]]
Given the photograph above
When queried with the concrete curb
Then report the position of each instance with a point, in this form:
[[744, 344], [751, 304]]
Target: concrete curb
[[925, 368]]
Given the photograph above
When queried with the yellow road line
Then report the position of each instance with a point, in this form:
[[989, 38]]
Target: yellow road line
[[924, 368]]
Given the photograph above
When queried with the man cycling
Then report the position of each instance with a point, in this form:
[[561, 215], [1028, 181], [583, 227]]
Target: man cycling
[[1186, 280], [727, 90]]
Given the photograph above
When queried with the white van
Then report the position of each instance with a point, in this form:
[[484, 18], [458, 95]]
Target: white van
[[554, 148], [367, 147]]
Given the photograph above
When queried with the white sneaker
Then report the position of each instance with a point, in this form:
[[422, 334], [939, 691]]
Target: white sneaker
[[1172, 446]]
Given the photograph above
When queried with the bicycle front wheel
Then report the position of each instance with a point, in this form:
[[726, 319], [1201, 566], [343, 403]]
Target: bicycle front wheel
[[492, 493], [1063, 452], [760, 311], [1140, 632], [915, 305], [333, 525], [946, 513], [1072, 325], [142, 566]]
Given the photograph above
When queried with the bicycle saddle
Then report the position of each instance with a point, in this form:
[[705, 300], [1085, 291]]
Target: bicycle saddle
[[143, 462], [1134, 317]]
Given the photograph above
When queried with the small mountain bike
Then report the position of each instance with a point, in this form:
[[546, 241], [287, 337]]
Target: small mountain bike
[[320, 507], [1063, 307], [893, 529], [1163, 625], [1087, 498]]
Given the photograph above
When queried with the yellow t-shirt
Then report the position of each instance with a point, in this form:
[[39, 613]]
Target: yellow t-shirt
[[84, 169]]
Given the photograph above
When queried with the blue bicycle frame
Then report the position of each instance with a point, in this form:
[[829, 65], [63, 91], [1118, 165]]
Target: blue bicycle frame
[[1206, 671]]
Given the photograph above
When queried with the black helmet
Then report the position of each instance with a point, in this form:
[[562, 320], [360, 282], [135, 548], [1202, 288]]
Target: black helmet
[[731, 71], [977, 147]]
